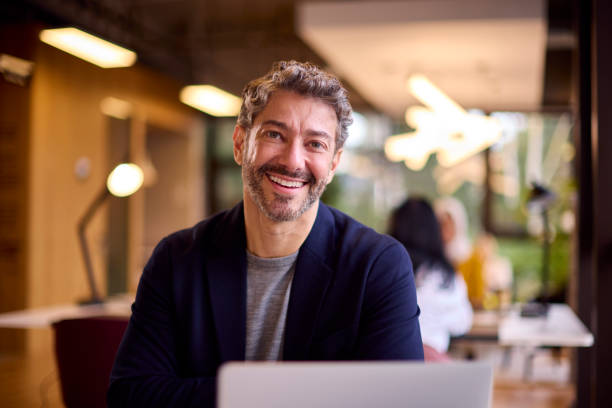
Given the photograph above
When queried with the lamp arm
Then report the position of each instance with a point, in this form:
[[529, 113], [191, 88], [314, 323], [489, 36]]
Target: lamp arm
[[83, 222]]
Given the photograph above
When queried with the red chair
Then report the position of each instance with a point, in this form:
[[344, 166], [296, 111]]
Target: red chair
[[85, 352]]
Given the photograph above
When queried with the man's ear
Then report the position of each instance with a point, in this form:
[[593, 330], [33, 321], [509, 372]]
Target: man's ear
[[239, 139], [334, 165]]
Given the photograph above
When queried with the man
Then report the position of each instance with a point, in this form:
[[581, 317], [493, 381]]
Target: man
[[278, 277]]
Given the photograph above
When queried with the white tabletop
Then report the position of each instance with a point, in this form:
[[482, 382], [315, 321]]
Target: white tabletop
[[46, 316], [561, 327]]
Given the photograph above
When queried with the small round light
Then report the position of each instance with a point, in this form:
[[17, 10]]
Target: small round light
[[125, 180]]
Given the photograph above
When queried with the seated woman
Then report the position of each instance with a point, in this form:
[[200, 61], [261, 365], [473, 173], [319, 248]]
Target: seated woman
[[441, 293], [487, 275]]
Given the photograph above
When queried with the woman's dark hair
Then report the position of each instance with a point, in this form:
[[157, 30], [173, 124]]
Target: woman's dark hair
[[415, 225]]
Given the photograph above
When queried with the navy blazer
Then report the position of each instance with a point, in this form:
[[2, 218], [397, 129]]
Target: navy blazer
[[352, 298]]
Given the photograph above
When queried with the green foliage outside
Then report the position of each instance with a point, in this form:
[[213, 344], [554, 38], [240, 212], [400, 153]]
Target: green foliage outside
[[526, 258]]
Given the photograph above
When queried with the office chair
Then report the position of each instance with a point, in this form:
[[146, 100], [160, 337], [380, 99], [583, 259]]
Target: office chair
[[85, 352]]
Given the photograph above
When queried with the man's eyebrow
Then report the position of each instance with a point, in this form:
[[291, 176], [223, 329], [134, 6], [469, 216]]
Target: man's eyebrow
[[309, 132], [276, 123], [319, 133]]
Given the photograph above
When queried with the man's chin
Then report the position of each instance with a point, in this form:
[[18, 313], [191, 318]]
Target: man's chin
[[278, 207], [284, 211]]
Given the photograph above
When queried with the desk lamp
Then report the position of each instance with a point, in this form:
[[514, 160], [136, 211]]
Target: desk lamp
[[123, 181], [540, 199]]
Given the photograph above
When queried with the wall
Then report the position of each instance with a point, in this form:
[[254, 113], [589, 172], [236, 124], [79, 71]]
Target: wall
[[66, 123], [15, 99]]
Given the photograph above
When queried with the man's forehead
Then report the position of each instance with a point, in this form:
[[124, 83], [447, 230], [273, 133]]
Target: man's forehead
[[283, 104]]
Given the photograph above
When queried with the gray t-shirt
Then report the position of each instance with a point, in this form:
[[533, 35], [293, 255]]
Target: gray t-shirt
[[268, 288]]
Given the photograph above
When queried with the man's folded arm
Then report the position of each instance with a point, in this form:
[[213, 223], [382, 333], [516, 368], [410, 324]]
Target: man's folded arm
[[146, 371], [389, 327]]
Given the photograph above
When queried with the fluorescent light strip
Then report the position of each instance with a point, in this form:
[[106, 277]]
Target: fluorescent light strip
[[429, 94], [211, 100], [88, 47]]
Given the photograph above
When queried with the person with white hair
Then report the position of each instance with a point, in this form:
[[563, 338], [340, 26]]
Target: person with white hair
[[454, 223], [458, 247], [484, 271]]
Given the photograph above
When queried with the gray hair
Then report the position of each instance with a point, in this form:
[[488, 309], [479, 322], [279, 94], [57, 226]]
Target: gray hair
[[305, 79]]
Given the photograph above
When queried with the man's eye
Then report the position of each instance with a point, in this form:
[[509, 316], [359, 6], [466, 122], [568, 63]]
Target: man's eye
[[317, 145], [273, 134]]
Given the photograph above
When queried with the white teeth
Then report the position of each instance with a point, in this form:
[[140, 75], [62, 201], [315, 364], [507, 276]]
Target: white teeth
[[286, 183]]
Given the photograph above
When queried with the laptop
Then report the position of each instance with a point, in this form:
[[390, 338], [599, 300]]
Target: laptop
[[354, 384]]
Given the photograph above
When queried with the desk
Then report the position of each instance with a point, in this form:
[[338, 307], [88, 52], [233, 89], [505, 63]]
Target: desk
[[561, 327], [46, 316], [485, 326]]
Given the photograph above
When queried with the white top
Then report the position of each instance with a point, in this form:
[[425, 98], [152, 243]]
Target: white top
[[445, 310], [561, 327]]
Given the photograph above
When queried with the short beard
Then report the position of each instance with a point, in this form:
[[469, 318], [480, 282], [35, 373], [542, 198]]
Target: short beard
[[278, 208]]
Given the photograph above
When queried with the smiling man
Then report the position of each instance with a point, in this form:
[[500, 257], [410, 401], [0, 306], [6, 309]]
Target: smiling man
[[280, 276]]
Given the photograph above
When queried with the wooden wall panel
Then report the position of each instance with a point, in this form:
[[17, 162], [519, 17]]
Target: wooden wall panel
[[66, 123], [14, 159]]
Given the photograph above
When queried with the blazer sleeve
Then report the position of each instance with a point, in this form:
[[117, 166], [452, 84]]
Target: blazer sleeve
[[145, 373], [389, 326]]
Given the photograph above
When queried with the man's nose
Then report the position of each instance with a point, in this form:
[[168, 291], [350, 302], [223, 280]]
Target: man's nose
[[292, 156]]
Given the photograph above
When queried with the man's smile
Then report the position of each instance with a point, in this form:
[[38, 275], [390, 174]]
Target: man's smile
[[286, 183]]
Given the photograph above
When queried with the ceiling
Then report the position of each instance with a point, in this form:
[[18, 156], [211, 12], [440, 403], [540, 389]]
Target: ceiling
[[487, 54]]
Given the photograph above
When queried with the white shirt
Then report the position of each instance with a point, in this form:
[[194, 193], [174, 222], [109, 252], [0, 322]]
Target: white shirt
[[445, 310]]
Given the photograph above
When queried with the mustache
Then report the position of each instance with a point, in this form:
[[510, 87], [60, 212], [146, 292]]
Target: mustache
[[303, 175]]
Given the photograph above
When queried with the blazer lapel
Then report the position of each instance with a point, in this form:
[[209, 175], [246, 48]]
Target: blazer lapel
[[226, 271], [310, 282]]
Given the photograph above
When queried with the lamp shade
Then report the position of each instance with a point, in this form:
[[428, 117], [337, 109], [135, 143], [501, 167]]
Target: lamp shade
[[125, 180], [540, 197]]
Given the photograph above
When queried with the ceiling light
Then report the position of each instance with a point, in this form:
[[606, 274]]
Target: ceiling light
[[445, 129], [413, 148], [88, 47], [478, 133], [419, 117], [211, 100], [433, 97]]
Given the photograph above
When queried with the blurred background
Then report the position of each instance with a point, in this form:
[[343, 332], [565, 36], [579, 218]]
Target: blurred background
[[471, 99]]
